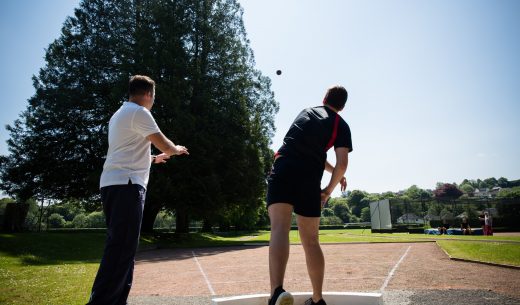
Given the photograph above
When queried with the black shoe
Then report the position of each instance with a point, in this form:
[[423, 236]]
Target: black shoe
[[311, 302], [281, 297]]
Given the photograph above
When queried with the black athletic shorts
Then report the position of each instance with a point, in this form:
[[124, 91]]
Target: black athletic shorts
[[291, 181]]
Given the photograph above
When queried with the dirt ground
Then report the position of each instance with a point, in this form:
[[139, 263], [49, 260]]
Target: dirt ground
[[349, 267]]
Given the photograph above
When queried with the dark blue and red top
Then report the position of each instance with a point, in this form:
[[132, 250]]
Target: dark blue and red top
[[314, 131]]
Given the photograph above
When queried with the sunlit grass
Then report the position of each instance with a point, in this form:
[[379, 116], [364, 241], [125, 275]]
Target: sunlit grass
[[491, 252]]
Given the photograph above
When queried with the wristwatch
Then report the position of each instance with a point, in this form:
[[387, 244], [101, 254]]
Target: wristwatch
[[153, 159]]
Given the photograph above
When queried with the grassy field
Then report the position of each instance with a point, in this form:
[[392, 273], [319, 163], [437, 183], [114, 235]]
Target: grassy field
[[491, 252], [59, 268], [48, 268], [169, 240]]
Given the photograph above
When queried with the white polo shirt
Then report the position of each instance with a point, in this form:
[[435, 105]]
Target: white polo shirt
[[129, 150]]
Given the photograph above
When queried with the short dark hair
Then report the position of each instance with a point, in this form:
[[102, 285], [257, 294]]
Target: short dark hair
[[140, 85], [336, 97]]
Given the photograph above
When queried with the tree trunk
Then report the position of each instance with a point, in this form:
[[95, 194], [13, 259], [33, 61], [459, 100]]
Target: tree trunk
[[151, 209], [40, 218], [207, 226], [182, 221]]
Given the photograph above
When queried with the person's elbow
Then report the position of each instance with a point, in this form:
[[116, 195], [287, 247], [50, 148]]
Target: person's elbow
[[162, 143]]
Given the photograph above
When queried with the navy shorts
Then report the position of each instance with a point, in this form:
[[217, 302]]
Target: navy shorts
[[291, 181]]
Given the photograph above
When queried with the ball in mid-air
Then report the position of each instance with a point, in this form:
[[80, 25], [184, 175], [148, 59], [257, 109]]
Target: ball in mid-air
[[278, 72]]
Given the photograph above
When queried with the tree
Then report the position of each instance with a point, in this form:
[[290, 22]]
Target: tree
[[434, 209], [68, 209], [482, 184], [59, 137], [33, 215], [341, 210], [365, 214], [416, 193], [96, 220], [56, 221], [327, 212], [387, 195], [510, 193], [331, 220], [210, 98], [3, 205], [467, 189], [491, 182], [503, 182], [446, 214], [229, 116], [513, 183], [80, 221], [447, 191], [356, 203], [15, 214]]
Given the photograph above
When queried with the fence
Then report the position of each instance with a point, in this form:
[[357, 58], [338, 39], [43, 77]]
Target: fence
[[407, 215]]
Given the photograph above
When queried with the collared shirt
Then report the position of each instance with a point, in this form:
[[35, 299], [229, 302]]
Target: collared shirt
[[129, 151]]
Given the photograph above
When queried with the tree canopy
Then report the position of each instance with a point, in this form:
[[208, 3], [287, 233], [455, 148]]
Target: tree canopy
[[447, 191], [209, 98]]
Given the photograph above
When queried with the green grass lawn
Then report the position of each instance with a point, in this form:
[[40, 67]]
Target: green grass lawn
[[169, 240], [491, 252], [59, 268], [415, 237], [48, 268]]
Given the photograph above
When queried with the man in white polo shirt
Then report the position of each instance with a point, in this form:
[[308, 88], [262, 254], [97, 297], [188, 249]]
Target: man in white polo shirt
[[123, 188]]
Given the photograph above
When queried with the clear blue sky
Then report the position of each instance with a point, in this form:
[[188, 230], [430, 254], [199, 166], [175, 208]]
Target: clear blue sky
[[433, 86]]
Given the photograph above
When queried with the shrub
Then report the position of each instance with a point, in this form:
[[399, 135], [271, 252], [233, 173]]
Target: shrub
[[80, 221], [332, 220], [96, 220], [56, 221]]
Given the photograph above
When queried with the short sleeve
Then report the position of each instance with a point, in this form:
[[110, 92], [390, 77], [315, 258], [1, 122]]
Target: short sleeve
[[344, 138], [144, 123]]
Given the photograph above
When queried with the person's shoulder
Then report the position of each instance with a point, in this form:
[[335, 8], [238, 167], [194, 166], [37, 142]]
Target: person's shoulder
[[128, 107], [319, 108], [309, 109], [321, 112], [305, 112], [125, 110], [142, 112], [343, 122]]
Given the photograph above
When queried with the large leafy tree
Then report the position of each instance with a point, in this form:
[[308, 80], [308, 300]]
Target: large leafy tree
[[416, 193], [356, 201], [57, 145], [447, 191], [209, 98]]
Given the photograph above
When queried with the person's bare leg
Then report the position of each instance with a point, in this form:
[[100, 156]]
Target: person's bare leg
[[309, 235], [280, 216]]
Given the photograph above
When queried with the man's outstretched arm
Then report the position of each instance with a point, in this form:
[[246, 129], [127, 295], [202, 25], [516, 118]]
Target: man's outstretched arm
[[165, 145]]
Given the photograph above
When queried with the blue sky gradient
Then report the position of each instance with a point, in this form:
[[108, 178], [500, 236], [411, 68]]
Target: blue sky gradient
[[433, 85]]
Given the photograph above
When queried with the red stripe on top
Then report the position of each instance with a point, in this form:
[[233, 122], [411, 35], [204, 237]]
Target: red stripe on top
[[334, 133]]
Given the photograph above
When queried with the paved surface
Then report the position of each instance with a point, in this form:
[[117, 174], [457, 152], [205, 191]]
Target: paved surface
[[407, 273]]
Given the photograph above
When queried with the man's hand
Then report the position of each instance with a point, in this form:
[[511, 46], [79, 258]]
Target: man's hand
[[161, 158], [343, 183], [325, 196], [181, 150], [165, 145]]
